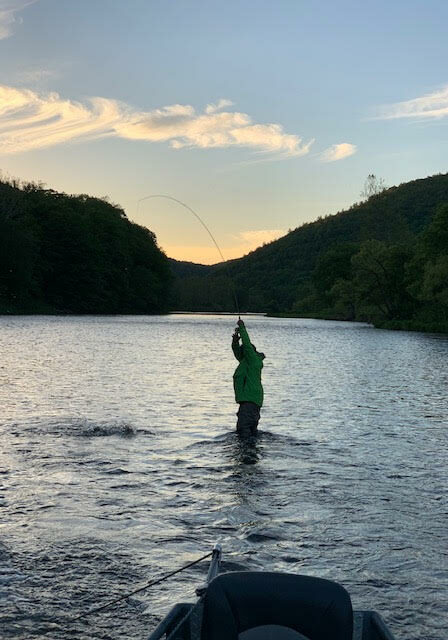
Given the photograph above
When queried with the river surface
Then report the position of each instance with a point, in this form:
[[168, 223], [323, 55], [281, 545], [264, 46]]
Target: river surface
[[119, 462]]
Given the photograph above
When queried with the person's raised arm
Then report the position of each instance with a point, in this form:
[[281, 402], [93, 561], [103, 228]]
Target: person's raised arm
[[236, 345], [247, 345]]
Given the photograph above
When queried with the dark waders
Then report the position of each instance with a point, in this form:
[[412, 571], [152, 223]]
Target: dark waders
[[248, 418]]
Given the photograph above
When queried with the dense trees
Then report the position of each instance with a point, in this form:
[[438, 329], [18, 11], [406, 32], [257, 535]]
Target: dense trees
[[428, 273], [76, 254], [401, 285], [384, 260]]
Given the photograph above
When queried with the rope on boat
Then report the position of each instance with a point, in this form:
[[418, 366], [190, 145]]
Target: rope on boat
[[146, 586]]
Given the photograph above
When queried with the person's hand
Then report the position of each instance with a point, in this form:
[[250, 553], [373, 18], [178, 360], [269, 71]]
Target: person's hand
[[236, 334], [240, 323]]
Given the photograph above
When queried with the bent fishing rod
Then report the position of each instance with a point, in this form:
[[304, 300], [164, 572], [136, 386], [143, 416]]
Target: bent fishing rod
[[197, 216]]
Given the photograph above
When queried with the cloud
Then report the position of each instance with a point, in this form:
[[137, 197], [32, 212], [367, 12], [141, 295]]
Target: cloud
[[212, 108], [182, 127], [245, 242], [433, 105], [8, 9], [29, 120], [338, 152]]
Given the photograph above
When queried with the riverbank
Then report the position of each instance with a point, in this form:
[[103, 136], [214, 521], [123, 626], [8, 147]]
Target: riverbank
[[36, 309], [393, 325]]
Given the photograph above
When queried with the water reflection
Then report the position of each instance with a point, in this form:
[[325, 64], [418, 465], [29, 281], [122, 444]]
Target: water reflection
[[121, 461]]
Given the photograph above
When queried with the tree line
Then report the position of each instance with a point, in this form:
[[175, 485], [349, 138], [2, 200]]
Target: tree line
[[385, 261], [64, 253], [396, 285]]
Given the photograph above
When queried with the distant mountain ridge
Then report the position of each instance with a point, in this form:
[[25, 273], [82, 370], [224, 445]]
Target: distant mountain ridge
[[384, 260], [183, 268], [277, 276]]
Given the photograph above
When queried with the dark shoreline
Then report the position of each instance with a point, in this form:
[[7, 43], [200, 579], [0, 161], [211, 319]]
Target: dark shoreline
[[391, 325]]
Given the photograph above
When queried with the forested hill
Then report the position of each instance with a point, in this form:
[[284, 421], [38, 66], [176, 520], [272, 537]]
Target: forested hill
[[384, 260], [76, 254], [183, 269], [376, 261]]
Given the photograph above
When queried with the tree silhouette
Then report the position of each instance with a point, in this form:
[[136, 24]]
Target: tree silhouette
[[373, 185]]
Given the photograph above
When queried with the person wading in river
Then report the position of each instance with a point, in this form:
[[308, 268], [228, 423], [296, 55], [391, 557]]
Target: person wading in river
[[247, 381]]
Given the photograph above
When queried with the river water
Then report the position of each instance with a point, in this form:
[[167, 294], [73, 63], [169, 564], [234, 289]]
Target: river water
[[119, 462]]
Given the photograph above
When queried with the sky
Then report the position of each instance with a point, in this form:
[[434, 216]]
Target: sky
[[260, 116]]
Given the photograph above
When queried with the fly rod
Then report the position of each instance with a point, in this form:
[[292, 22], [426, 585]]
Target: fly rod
[[197, 216]]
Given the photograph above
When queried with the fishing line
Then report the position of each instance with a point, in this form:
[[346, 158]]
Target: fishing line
[[145, 586], [197, 216]]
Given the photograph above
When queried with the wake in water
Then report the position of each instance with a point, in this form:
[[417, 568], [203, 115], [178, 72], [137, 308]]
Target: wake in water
[[250, 450], [95, 430], [76, 427]]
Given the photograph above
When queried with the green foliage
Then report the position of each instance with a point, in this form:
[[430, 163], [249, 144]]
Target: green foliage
[[384, 260], [428, 271], [214, 293], [434, 240], [379, 279], [76, 254]]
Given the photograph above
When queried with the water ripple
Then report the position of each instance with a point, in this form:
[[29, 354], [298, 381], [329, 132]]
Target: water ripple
[[119, 463]]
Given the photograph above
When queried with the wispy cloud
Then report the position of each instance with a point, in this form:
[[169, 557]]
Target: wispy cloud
[[338, 152], [29, 120], [8, 17], [433, 105]]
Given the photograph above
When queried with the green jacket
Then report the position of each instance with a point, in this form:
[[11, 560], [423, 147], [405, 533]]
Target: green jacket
[[247, 376]]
